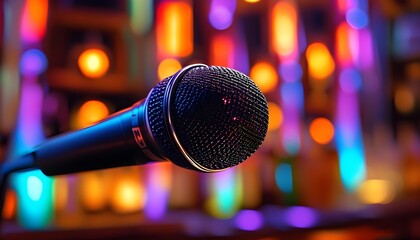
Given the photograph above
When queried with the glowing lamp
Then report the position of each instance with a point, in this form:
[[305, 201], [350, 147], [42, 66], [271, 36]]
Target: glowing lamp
[[93, 63]]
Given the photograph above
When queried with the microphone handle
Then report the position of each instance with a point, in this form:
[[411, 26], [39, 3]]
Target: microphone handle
[[107, 144]]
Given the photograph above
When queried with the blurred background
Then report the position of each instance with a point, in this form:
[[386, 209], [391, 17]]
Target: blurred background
[[341, 159]]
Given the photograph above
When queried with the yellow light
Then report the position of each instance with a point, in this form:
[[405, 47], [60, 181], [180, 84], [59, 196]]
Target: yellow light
[[404, 100], [91, 112], [264, 75], [128, 195], [174, 30], [275, 116], [252, 1], [168, 67], [93, 63], [320, 62], [376, 191], [284, 29], [321, 130]]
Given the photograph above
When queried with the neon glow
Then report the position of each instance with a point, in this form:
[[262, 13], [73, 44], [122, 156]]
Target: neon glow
[[174, 29], [221, 13], [225, 193], [33, 62], [93, 63], [349, 140], [249, 220], [357, 18], [158, 185], [301, 217], [34, 20], [284, 177], [284, 37]]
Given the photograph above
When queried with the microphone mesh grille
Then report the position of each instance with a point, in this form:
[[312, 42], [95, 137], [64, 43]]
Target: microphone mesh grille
[[219, 115]]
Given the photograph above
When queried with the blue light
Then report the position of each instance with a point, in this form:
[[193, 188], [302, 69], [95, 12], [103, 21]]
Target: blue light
[[33, 62], [357, 18], [284, 177], [350, 80], [292, 94]]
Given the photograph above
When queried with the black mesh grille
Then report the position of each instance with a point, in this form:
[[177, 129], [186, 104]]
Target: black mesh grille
[[219, 116]]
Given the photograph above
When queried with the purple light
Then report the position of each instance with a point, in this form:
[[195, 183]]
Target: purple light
[[290, 71], [249, 220], [33, 62], [301, 217], [350, 80], [221, 13]]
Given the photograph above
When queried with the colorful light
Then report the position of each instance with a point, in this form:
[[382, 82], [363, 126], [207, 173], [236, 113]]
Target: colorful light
[[174, 30], [350, 80], [93, 63], [141, 15], [91, 112], [357, 18], [291, 71], [158, 185], [301, 217], [221, 13], [93, 191], [33, 62], [284, 38], [284, 177], [9, 207], [128, 195], [320, 62], [342, 45], [34, 20], [221, 51], [404, 99], [264, 75], [249, 220], [321, 130], [376, 191], [168, 67], [275, 116]]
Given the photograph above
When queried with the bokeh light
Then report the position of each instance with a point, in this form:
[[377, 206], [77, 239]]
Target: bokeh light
[[284, 29], [93, 63], [404, 99], [275, 116], [91, 112], [93, 191], [320, 62], [249, 220], [221, 13], [376, 191], [33, 62], [357, 18], [264, 75], [321, 130], [128, 195], [284, 177], [34, 20], [168, 67], [301, 217], [350, 80]]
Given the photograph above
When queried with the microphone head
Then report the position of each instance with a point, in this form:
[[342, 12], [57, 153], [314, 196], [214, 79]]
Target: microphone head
[[207, 118]]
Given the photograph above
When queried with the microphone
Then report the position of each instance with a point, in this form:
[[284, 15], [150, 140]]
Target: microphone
[[203, 118]]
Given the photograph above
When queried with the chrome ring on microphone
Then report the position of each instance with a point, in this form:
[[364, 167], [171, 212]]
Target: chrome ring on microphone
[[168, 98]]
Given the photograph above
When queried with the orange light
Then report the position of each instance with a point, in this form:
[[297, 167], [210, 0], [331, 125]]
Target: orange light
[[342, 44], [252, 1], [93, 191], [168, 67], [264, 75], [34, 20], [320, 62], [321, 130], [376, 191], [221, 49], [275, 116], [284, 29], [174, 30], [9, 207], [404, 99], [91, 112], [93, 63]]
